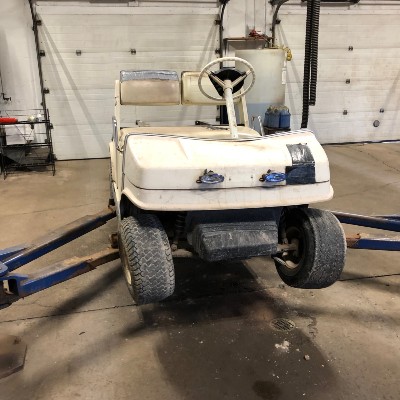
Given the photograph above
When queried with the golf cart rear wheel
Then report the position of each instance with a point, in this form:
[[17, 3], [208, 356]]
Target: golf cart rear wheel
[[320, 253], [146, 258]]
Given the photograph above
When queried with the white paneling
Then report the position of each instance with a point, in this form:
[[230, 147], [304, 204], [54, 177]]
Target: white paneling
[[338, 128], [181, 35], [96, 106], [68, 8], [81, 87], [81, 146], [364, 7], [372, 67], [18, 57], [69, 73], [341, 31]]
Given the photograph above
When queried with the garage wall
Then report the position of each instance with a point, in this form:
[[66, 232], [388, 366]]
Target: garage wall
[[18, 57], [181, 35], [345, 112], [112, 39]]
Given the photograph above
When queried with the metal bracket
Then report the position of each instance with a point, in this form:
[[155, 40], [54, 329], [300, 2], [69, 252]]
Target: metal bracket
[[5, 98]]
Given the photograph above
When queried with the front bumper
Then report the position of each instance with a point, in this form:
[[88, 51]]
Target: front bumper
[[227, 199]]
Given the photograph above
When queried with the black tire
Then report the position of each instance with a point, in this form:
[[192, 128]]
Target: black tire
[[146, 258], [320, 258]]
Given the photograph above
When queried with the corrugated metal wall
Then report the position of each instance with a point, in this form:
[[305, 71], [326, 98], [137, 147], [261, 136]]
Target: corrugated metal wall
[[373, 68], [82, 86], [165, 37]]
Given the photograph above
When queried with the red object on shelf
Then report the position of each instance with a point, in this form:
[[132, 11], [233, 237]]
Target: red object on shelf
[[8, 120]]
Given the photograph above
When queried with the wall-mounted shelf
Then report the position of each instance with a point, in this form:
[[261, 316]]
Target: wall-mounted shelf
[[249, 42], [22, 150]]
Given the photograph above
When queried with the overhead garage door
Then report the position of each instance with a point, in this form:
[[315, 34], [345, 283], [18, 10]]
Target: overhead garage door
[[85, 49], [360, 47]]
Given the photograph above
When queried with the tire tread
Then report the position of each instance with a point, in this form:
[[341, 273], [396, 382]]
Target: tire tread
[[149, 258], [325, 250]]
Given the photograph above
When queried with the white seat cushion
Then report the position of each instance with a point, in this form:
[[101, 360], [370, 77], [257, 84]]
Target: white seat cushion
[[150, 88]]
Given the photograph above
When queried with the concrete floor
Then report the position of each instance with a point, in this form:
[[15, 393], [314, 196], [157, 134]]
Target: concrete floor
[[212, 340]]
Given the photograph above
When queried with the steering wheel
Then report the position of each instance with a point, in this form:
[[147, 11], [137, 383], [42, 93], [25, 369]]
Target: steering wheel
[[227, 84]]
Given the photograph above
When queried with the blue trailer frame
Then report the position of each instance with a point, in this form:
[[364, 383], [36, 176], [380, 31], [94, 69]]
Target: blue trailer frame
[[20, 285], [383, 222]]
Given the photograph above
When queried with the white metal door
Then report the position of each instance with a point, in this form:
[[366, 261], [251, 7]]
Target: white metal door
[[85, 49], [357, 47]]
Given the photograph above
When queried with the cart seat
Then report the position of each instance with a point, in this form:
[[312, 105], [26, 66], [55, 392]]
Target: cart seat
[[163, 88], [146, 87]]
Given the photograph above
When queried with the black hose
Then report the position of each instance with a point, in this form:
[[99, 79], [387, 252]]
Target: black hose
[[39, 62], [307, 66], [314, 51], [275, 18], [221, 30], [310, 59], [223, 115]]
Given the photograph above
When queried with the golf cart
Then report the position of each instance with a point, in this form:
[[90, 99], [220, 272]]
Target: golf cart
[[217, 192]]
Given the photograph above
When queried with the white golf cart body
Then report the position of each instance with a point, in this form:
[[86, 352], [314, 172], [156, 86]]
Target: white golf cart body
[[158, 168], [217, 192]]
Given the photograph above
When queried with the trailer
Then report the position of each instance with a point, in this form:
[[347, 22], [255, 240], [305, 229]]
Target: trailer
[[16, 286]]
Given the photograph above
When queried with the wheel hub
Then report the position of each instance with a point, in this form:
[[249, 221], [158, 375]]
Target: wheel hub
[[294, 255]]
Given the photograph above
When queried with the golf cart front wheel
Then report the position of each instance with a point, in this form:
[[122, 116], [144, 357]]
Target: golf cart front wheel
[[146, 258], [318, 250]]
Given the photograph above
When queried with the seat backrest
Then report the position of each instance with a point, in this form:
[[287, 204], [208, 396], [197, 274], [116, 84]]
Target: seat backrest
[[149, 87], [191, 94]]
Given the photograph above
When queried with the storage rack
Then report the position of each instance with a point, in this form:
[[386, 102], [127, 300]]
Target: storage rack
[[31, 154]]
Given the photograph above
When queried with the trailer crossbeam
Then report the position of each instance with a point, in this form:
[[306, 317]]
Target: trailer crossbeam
[[22, 285], [54, 240], [382, 222]]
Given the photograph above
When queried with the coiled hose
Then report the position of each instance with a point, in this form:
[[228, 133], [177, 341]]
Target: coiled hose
[[310, 59], [221, 29], [314, 52], [223, 115], [307, 66]]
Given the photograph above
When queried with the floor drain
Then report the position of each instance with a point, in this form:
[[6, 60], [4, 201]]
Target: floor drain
[[282, 324]]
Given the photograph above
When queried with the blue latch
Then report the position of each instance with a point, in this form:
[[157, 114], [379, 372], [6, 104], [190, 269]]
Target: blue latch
[[273, 177], [210, 177]]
